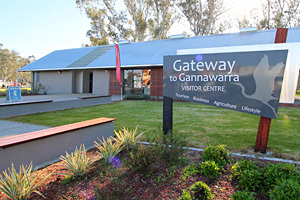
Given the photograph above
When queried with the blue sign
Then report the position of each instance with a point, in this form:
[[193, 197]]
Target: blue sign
[[13, 94], [248, 82]]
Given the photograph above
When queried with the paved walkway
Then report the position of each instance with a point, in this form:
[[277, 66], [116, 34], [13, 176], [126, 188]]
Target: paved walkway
[[8, 128]]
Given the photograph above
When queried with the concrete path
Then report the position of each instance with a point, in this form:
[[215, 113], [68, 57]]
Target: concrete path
[[8, 128]]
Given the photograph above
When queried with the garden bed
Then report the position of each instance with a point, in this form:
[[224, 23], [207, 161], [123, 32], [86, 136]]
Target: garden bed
[[165, 182]]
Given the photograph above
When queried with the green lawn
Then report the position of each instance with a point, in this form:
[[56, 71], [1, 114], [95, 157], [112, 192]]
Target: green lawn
[[201, 125]]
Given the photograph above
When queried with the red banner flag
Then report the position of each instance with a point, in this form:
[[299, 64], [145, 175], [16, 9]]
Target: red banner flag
[[118, 64]]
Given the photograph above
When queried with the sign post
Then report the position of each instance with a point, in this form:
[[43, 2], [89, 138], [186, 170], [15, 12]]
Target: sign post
[[265, 123]]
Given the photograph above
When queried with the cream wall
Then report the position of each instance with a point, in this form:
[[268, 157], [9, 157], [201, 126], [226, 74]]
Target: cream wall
[[57, 82], [101, 82]]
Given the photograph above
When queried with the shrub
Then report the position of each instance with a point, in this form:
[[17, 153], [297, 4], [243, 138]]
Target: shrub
[[250, 180], [189, 171], [108, 148], [248, 175], [143, 159], [286, 190], [171, 148], [128, 137], [273, 174], [137, 97], [240, 166], [185, 195], [210, 169], [243, 195], [77, 163], [216, 153], [201, 191], [20, 185]]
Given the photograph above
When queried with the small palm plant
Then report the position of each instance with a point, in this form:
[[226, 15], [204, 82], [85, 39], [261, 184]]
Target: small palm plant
[[128, 137], [77, 163], [20, 185], [108, 148]]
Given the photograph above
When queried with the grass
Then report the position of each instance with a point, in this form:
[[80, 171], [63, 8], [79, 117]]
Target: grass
[[201, 125]]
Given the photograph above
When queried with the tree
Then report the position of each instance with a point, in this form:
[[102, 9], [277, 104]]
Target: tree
[[106, 22], [139, 11], [202, 15], [280, 14], [10, 62], [163, 18], [140, 19]]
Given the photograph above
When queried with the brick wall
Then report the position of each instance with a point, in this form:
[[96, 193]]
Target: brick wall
[[156, 81], [114, 85]]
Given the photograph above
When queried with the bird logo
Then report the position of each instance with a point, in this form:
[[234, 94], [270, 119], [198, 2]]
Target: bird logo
[[264, 78]]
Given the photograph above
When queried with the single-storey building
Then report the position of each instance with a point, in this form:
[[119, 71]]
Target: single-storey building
[[93, 69]]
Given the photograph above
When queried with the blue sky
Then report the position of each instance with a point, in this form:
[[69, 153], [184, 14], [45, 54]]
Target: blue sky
[[38, 27]]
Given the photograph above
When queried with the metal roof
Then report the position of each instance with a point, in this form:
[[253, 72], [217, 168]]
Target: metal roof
[[148, 53]]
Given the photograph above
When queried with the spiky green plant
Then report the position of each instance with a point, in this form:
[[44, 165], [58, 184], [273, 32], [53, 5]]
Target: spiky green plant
[[20, 185], [128, 137], [77, 163], [108, 148]]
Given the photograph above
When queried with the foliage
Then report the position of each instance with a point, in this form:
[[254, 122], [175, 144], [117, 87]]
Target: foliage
[[286, 190], [77, 163], [10, 62], [190, 170], [243, 195], [250, 180], [40, 89], [201, 191], [128, 137], [108, 148], [171, 147], [202, 15], [248, 175], [210, 169], [162, 20], [137, 97], [280, 14], [273, 174], [218, 153], [240, 166], [185, 195], [20, 185], [139, 20], [143, 159]]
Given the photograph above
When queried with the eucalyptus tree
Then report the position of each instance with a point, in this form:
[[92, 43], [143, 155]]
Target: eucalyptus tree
[[280, 14], [107, 23], [137, 20], [163, 17], [10, 62], [202, 15]]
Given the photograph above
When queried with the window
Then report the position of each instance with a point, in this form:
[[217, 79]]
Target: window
[[137, 81]]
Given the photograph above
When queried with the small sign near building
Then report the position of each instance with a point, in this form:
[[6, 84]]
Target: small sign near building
[[13, 94], [248, 82]]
